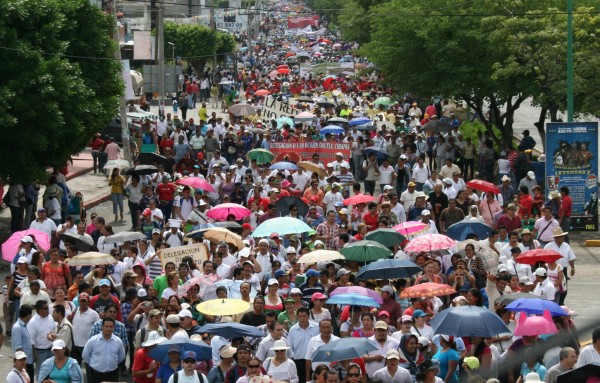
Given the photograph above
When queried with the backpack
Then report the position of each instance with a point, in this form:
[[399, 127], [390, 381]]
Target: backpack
[[179, 235], [198, 374]]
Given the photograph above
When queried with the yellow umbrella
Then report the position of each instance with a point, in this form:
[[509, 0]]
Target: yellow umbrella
[[320, 256], [91, 258], [220, 307], [221, 234], [312, 167]]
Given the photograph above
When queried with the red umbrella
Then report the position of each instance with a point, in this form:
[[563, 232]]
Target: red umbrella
[[484, 186], [356, 199], [427, 290], [324, 41], [196, 183], [285, 70], [222, 211], [411, 227], [283, 66], [262, 92], [429, 242], [288, 157], [534, 256]]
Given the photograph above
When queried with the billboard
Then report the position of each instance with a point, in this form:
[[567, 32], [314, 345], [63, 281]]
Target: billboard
[[232, 21], [303, 151], [571, 160]]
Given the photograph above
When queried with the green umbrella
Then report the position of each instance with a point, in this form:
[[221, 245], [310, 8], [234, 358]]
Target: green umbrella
[[385, 101], [262, 156], [386, 237], [284, 120], [365, 251]]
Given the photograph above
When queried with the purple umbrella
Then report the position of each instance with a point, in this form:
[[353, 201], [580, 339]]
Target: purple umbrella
[[358, 290]]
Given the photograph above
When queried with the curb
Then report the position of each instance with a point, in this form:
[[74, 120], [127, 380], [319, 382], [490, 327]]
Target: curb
[[96, 201], [592, 243], [78, 172]]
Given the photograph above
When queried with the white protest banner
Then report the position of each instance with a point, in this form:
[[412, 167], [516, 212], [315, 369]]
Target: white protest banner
[[273, 109], [197, 251]]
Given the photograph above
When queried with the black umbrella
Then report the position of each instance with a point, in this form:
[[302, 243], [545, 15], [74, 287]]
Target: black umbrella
[[84, 244], [507, 299], [151, 159], [141, 170], [231, 225], [580, 374], [436, 126], [284, 203], [326, 104], [304, 99]]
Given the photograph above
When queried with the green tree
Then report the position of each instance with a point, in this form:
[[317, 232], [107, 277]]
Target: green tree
[[225, 43], [195, 43], [58, 85]]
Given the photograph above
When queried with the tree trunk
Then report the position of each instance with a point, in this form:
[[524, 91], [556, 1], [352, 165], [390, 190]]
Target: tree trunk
[[541, 126]]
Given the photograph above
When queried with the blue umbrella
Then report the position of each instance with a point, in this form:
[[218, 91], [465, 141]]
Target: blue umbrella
[[536, 306], [343, 349], [281, 226], [353, 300], [367, 126], [388, 269], [460, 230], [230, 330], [161, 351], [332, 129], [284, 120], [359, 121], [283, 166], [378, 153], [468, 321]]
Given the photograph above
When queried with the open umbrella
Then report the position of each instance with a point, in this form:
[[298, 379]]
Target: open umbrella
[[284, 204], [357, 199], [10, 247], [304, 116], [83, 243], [221, 234], [581, 374], [220, 307], [198, 230], [460, 230], [92, 258], [436, 126], [367, 127], [388, 269], [202, 281], [427, 290], [312, 167], [196, 183], [284, 121], [385, 101], [125, 236], [411, 227], [365, 251], [317, 256], [262, 92], [151, 159], [511, 297], [385, 236], [379, 154], [230, 330], [262, 156], [483, 251], [304, 99], [141, 170], [282, 226], [337, 119], [161, 351], [283, 165], [353, 299], [242, 110], [429, 242], [224, 210], [483, 186], [332, 129], [532, 257], [229, 225], [359, 121], [468, 321], [343, 349], [357, 290], [536, 306], [535, 325]]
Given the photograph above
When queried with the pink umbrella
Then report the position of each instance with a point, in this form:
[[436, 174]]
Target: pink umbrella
[[196, 183], [222, 211], [262, 92], [410, 227], [203, 281], [273, 74], [360, 198], [10, 247], [535, 325], [358, 290], [429, 242]]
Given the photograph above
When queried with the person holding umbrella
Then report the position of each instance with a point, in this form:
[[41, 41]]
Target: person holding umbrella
[[166, 370]]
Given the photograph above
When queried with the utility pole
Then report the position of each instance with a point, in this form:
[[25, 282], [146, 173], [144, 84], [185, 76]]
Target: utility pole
[[213, 26], [160, 48], [570, 60]]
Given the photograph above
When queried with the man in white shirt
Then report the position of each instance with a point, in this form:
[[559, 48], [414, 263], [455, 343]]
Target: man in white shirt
[[184, 204], [543, 286], [240, 170], [513, 241], [401, 375], [82, 319], [449, 169], [174, 236], [43, 223], [568, 257], [332, 197], [449, 190], [39, 327], [301, 178], [408, 197], [375, 360], [420, 174], [265, 346], [590, 354], [217, 159], [325, 336], [337, 164], [34, 295], [299, 336]]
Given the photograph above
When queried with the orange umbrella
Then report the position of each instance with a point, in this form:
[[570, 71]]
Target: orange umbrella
[[262, 92], [427, 290]]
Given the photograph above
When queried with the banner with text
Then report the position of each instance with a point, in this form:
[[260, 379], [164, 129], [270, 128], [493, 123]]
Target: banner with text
[[275, 109], [197, 251], [572, 161], [302, 22], [302, 151]]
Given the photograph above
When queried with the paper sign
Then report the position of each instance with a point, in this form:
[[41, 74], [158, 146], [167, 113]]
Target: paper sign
[[197, 251]]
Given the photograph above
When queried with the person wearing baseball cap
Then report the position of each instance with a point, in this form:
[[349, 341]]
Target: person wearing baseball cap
[[188, 373], [375, 360], [392, 372]]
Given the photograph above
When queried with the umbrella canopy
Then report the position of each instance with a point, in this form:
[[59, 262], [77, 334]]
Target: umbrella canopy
[[535, 325], [161, 351], [124, 236], [468, 321], [230, 330], [326, 104], [284, 204], [262, 156], [10, 247], [332, 129], [242, 110], [411, 227], [483, 186], [460, 230], [262, 92], [198, 230], [536, 306], [357, 290], [343, 349], [581, 374], [141, 170], [282, 226], [224, 210], [220, 307], [196, 183], [509, 298], [385, 101], [337, 119], [483, 251], [368, 126], [151, 159], [304, 99], [202, 281], [284, 121], [436, 126], [379, 154], [304, 116], [83, 243], [385, 236], [427, 290], [283, 165], [320, 256], [365, 251], [357, 199], [353, 299], [429, 242], [222, 234], [359, 121], [532, 257], [92, 258], [312, 167], [388, 269]]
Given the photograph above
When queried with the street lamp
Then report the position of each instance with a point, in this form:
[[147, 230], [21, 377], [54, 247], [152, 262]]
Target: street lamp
[[173, 50]]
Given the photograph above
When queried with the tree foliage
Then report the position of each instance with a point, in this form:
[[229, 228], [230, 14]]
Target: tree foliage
[[59, 82], [225, 43]]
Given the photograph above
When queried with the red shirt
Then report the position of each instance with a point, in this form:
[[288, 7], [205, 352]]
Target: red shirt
[[527, 203], [97, 144], [371, 221], [566, 206], [510, 224], [166, 192], [141, 362]]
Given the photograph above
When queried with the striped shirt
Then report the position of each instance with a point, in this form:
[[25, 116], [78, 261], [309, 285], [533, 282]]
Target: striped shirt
[[154, 267]]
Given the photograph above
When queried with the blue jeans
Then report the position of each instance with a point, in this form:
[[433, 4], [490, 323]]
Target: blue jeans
[[117, 200], [41, 356]]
